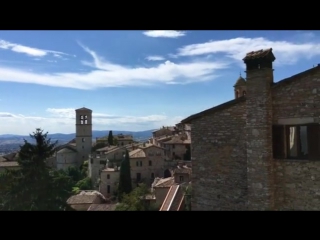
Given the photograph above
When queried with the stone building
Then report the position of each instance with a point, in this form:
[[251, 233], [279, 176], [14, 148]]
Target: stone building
[[109, 179], [176, 147], [260, 150], [121, 139], [78, 150], [147, 162], [164, 131]]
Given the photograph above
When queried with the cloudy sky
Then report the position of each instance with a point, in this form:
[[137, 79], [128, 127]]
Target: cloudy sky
[[132, 80]]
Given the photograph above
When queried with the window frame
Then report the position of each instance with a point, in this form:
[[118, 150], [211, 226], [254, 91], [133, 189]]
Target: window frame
[[283, 150]]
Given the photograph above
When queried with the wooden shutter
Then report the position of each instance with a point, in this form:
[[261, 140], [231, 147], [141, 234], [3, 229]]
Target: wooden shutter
[[278, 140], [313, 134]]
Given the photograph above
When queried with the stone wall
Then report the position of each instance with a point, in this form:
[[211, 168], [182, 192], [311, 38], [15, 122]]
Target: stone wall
[[299, 98], [259, 139], [219, 170], [156, 156], [297, 185]]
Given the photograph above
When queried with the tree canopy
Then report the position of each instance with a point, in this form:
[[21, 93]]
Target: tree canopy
[[35, 186], [125, 184], [110, 138], [135, 200]]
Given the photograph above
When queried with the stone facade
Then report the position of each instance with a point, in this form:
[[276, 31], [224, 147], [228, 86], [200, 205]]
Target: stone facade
[[109, 180], [146, 164], [219, 170], [246, 154]]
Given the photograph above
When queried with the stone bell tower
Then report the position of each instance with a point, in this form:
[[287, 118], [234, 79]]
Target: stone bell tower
[[240, 87], [259, 129], [83, 134]]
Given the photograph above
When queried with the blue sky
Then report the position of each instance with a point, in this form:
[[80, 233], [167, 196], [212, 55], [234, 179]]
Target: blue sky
[[132, 80]]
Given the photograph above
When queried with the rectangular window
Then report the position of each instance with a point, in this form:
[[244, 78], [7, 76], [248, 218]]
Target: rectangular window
[[296, 142], [140, 163], [108, 176], [173, 146], [108, 189], [152, 175], [137, 164], [150, 163]]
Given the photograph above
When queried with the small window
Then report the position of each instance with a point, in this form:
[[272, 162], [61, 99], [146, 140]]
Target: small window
[[108, 189], [140, 163], [108, 176], [137, 164], [296, 142], [83, 139], [152, 175], [181, 178], [173, 146], [150, 163], [82, 147]]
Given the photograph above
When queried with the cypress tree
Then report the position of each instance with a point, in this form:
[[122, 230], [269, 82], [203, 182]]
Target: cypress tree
[[110, 138], [125, 185]]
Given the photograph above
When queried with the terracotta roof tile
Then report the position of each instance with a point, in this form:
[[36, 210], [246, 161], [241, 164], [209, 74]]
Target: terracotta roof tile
[[137, 153], [257, 54], [86, 197], [102, 207], [164, 182]]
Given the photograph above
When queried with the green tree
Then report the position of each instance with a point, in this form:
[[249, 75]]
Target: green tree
[[115, 141], [83, 184], [135, 201], [125, 185], [35, 186], [110, 138], [98, 146]]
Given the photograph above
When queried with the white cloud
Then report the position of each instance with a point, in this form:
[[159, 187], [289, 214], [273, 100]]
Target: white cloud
[[106, 74], [285, 52], [63, 121], [155, 58], [164, 33], [30, 51]]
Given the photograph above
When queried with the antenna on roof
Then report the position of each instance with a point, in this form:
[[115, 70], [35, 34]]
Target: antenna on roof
[[240, 73]]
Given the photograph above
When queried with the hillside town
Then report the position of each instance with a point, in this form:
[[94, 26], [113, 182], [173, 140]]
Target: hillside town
[[163, 164], [259, 151]]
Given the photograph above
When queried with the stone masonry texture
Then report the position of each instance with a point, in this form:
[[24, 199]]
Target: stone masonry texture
[[219, 171], [232, 163]]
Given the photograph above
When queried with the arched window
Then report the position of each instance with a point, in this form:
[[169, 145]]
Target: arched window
[[237, 94], [244, 93]]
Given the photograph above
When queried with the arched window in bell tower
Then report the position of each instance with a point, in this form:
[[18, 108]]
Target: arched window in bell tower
[[237, 94]]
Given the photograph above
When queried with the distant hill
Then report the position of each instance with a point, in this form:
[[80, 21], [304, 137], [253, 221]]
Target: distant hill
[[11, 142]]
